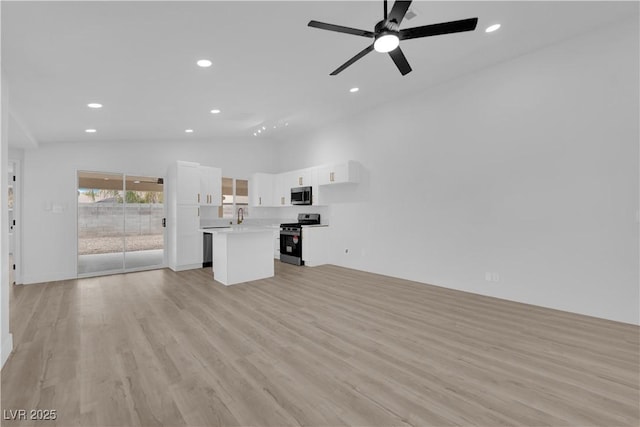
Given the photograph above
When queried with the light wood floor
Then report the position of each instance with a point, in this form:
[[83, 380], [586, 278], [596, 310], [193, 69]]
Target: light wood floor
[[313, 346]]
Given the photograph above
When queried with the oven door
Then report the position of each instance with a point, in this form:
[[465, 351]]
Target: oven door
[[291, 247]]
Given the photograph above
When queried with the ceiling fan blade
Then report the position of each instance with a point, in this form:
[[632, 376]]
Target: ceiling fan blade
[[352, 60], [341, 29], [400, 61], [398, 11], [439, 29]]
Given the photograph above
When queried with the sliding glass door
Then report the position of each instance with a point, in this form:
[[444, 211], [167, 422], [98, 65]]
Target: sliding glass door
[[120, 223], [143, 222]]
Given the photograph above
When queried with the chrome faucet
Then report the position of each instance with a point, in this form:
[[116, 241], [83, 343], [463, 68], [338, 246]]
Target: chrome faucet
[[240, 215]]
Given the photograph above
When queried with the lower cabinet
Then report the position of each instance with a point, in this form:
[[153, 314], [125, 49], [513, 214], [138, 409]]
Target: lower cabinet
[[315, 245], [188, 238], [276, 245]]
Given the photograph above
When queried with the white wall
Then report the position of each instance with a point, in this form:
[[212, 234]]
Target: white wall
[[528, 169], [49, 178], [6, 343]]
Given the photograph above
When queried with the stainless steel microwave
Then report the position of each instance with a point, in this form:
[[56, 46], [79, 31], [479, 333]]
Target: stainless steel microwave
[[301, 196]]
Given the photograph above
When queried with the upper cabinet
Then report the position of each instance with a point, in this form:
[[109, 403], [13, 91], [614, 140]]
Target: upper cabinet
[[261, 190], [187, 183], [210, 186], [268, 189], [282, 189], [300, 178], [339, 173]]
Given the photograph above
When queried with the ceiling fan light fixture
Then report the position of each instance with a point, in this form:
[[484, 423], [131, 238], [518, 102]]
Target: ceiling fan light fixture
[[386, 42]]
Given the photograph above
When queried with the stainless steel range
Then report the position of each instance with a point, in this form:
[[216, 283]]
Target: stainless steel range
[[291, 238]]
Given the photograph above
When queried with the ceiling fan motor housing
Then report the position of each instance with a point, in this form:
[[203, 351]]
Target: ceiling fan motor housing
[[386, 25]]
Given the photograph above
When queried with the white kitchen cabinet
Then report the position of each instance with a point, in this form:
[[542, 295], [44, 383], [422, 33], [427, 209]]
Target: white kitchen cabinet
[[184, 241], [187, 183], [300, 178], [282, 189], [315, 245], [276, 244], [210, 185], [188, 237], [316, 197], [339, 173], [284, 182], [262, 190]]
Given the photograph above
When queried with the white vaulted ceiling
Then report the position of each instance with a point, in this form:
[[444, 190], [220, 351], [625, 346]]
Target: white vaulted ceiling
[[139, 60]]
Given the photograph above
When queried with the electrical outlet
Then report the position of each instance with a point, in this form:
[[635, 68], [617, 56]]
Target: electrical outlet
[[490, 276]]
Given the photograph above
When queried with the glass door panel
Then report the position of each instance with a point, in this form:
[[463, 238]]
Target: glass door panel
[[144, 213], [226, 210], [100, 223]]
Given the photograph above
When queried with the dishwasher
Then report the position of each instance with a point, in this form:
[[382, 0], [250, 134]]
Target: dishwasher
[[207, 247], [207, 250]]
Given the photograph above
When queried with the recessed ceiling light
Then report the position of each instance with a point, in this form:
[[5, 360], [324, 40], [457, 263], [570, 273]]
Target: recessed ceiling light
[[90, 130], [274, 127], [188, 130], [354, 89], [215, 111], [259, 130], [286, 124], [204, 63], [492, 28], [136, 182], [264, 128], [94, 105], [255, 134], [106, 179]]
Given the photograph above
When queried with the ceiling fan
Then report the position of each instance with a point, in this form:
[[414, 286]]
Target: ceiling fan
[[387, 34]]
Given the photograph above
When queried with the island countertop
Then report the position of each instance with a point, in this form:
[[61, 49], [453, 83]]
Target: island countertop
[[237, 230]]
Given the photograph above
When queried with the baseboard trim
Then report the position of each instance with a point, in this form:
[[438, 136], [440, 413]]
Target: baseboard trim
[[186, 267], [7, 348], [53, 277]]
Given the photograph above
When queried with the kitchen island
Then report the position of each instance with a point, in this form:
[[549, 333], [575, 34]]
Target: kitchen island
[[241, 254]]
